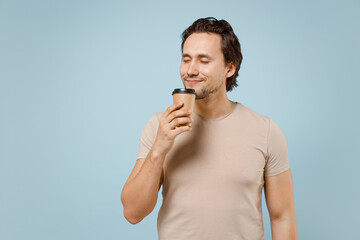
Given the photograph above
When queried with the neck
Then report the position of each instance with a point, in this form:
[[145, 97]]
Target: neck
[[215, 106]]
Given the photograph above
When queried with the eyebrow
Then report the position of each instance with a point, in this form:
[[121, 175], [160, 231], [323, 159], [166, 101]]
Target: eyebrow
[[199, 56]]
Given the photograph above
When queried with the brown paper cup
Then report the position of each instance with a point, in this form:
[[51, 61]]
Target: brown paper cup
[[187, 96]]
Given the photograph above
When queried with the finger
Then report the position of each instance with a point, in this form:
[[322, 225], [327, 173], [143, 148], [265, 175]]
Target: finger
[[180, 121], [173, 107], [180, 130], [177, 114]]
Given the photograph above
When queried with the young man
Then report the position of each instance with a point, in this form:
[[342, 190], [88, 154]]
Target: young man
[[212, 172]]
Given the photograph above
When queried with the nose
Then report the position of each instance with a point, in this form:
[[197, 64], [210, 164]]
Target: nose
[[193, 69]]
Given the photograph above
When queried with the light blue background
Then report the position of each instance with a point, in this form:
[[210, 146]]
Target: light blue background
[[79, 79]]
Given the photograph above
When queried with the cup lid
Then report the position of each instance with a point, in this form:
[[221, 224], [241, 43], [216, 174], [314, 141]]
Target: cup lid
[[183, 90]]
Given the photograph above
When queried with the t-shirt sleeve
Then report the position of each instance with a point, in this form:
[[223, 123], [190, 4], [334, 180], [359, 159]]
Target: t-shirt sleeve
[[277, 160], [148, 136]]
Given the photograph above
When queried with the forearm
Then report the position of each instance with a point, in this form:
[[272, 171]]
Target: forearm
[[139, 195], [284, 228]]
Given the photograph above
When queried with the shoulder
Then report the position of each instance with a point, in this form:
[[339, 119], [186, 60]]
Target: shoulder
[[156, 117], [151, 126], [252, 117], [257, 121], [248, 111], [153, 121]]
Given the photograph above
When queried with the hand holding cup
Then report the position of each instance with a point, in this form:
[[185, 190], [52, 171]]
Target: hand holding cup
[[175, 120]]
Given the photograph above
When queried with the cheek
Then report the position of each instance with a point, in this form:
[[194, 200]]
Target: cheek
[[210, 71], [219, 73], [205, 70], [182, 70]]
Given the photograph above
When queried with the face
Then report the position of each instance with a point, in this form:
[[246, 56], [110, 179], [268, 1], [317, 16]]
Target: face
[[203, 65]]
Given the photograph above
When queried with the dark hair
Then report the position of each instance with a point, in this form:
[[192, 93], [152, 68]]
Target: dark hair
[[230, 43]]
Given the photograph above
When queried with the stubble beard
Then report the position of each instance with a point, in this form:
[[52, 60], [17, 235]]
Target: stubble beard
[[206, 92]]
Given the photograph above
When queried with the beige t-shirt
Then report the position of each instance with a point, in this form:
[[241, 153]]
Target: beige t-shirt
[[214, 175]]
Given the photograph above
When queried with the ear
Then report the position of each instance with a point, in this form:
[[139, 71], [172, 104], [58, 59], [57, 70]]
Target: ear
[[230, 70]]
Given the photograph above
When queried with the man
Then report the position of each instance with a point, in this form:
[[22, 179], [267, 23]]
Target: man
[[213, 171]]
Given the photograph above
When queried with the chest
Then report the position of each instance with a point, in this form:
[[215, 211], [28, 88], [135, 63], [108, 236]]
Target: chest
[[218, 156]]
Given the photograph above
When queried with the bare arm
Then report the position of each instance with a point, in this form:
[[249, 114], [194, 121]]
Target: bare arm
[[140, 192], [279, 194]]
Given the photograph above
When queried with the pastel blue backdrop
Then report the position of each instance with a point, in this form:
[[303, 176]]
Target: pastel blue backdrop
[[79, 79]]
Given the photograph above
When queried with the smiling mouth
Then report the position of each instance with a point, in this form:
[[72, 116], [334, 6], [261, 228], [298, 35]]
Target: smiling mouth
[[193, 81]]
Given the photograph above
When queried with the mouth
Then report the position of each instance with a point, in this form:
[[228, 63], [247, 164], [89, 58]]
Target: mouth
[[193, 82]]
